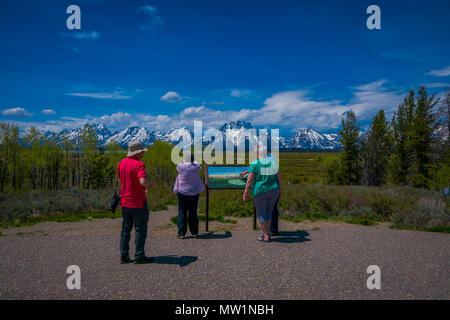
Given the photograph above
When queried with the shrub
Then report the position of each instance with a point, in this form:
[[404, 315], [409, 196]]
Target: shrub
[[428, 213], [23, 206]]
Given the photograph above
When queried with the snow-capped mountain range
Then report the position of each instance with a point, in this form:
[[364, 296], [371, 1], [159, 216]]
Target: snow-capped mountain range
[[237, 131], [311, 140]]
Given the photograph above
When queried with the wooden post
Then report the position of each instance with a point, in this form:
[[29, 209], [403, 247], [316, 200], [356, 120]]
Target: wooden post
[[207, 208]]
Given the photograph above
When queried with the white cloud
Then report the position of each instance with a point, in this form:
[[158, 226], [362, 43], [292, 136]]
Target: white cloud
[[297, 109], [214, 102], [440, 72], [153, 19], [287, 109], [437, 85], [117, 95], [239, 93], [93, 35], [48, 111], [16, 112], [171, 96]]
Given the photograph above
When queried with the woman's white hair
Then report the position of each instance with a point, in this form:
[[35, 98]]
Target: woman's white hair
[[261, 149], [187, 156]]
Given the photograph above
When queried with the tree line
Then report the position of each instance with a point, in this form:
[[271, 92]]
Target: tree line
[[36, 162], [408, 150]]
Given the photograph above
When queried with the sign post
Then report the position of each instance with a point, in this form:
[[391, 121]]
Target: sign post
[[207, 208]]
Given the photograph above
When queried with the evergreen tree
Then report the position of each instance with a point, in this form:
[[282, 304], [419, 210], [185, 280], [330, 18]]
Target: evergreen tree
[[401, 158], [375, 152], [350, 168], [444, 115], [440, 169], [102, 170], [424, 126]]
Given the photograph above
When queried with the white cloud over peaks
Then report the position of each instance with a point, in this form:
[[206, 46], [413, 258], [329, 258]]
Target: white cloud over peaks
[[297, 109], [444, 72], [48, 111], [171, 96], [288, 109], [374, 96], [16, 112]]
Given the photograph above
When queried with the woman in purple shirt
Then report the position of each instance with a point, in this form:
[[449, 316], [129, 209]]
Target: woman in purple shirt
[[188, 186]]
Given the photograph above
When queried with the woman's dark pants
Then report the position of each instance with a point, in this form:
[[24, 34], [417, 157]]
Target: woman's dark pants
[[274, 224], [139, 218], [187, 214]]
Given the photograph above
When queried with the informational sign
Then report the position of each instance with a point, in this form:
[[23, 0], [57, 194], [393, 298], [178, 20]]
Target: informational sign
[[446, 192], [225, 177]]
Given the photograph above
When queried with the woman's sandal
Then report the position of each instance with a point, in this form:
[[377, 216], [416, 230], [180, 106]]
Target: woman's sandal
[[261, 238]]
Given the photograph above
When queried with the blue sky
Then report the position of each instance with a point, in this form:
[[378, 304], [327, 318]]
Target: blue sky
[[162, 64]]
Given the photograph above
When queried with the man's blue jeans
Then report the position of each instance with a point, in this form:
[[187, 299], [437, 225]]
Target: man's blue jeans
[[139, 218], [187, 214]]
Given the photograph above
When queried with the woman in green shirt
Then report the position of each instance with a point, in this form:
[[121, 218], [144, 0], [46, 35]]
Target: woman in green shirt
[[265, 180]]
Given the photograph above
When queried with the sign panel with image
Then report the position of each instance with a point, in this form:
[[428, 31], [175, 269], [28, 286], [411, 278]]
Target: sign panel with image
[[225, 177]]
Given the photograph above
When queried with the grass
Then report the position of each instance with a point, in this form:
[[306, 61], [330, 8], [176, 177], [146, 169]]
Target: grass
[[26, 234], [443, 229], [361, 221], [306, 167], [61, 217], [440, 229]]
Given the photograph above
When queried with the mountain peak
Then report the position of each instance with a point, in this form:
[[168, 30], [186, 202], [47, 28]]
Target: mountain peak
[[236, 125]]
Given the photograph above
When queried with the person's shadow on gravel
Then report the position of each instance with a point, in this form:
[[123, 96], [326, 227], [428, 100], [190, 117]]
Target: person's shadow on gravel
[[182, 261], [212, 235], [291, 236]]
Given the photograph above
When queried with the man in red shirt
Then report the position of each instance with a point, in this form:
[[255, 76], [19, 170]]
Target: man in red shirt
[[133, 182]]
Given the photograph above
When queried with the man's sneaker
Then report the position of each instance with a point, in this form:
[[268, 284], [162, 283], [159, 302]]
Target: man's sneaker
[[195, 236], [144, 260], [125, 259], [180, 237], [274, 234]]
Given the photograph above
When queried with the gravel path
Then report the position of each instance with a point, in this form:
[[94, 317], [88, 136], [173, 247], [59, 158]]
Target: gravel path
[[325, 263]]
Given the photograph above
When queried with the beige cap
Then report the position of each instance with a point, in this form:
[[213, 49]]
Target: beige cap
[[135, 148]]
